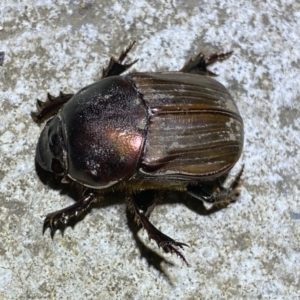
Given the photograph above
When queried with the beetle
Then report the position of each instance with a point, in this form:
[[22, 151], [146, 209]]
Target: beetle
[[142, 133]]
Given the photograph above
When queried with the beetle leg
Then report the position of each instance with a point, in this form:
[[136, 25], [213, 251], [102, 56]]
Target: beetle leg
[[214, 193], [231, 193], [50, 107], [115, 67], [142, 204], [200, 63], [61, 218]]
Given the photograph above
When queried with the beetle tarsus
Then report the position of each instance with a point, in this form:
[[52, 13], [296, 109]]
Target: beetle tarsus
[[236, 180], [60, 218], [214, 192], [50, 107], [230, 194], [125, 53], [201, 62], [115, 67], [163, 241], [217, 57], [142, 204]]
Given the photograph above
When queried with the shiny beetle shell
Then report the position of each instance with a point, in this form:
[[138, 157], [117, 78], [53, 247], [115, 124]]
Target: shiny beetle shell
[[141, 133], [195, 131]]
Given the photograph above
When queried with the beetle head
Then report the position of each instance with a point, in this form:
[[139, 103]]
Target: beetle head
[[50, 151]]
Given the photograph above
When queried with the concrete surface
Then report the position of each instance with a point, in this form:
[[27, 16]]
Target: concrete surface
[[249, 250]]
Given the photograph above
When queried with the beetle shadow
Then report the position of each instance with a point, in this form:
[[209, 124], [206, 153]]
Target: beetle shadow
[[73, 192], [189, 201], [168, 197], [54, 183], [153, 259]]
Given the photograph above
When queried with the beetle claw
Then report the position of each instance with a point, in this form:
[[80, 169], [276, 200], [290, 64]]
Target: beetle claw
[[171, 249], [168, 245], [46, 225], [116, 67], [39, 104], [52, 221], [50, 97], [201, 62], [142, 204], [125, 52], [60, 219]]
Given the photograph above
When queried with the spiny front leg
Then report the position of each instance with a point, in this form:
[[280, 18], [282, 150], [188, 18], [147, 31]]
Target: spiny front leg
[[142, 204], [61, 218], [50, 107], [115, 67]]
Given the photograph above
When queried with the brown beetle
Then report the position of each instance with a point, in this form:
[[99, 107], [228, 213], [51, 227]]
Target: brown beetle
[[142, 133]]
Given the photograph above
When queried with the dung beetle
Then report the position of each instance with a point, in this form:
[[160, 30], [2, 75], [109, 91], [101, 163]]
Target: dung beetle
[[141, 133]]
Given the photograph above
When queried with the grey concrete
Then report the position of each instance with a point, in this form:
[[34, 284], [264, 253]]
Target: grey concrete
[[249, 250]]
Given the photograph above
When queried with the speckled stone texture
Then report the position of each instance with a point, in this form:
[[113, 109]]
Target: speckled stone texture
[[250, 250]]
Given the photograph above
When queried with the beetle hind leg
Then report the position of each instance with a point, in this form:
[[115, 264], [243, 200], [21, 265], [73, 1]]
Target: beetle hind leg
[[60, 218], [142, 205], [214, 193], [115, 67], [201, 62]]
